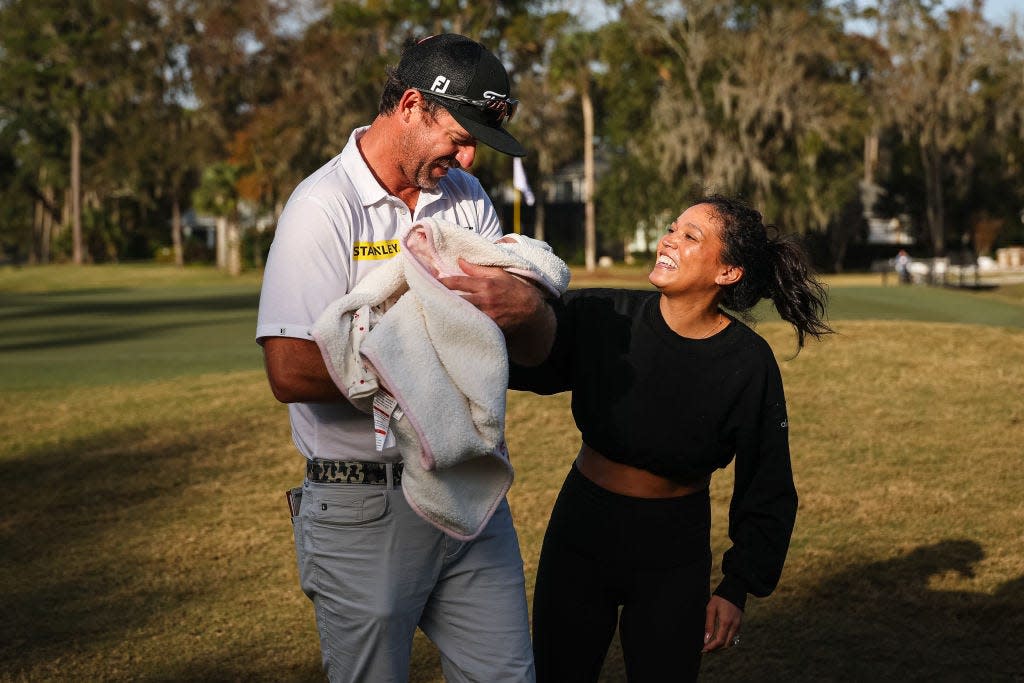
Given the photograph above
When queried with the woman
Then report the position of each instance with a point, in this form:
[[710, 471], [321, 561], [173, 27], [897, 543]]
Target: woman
[[668, 387]]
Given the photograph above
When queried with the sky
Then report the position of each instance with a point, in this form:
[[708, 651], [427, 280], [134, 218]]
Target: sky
[[595, 12], [998, 11]]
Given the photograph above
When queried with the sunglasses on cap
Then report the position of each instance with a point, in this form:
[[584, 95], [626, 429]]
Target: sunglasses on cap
[[502, 108]]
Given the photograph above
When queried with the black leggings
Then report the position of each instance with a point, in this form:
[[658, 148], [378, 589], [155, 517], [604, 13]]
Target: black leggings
[[603, 550]]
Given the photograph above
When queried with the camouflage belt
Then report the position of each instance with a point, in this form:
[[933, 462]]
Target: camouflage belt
[[351, 472]]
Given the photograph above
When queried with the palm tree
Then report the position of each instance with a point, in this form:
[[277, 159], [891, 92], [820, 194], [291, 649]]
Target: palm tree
[[572, 66]]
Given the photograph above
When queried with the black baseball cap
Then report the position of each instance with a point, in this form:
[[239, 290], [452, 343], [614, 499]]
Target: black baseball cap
[[467, 80]]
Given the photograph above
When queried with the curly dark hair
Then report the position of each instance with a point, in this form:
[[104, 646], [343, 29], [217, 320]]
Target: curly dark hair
[[774, 267]]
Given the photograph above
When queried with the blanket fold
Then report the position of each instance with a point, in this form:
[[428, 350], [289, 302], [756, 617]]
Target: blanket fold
[[442, 359]]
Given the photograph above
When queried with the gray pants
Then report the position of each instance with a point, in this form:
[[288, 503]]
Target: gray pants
[[375, 571]]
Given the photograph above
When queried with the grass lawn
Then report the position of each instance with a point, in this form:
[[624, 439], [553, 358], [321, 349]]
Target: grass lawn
[[145, 535]]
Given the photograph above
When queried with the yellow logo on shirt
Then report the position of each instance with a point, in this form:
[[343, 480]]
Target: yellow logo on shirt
[[375, 251]]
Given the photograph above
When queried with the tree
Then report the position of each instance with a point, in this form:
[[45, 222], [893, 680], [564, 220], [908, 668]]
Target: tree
[[997, 186], [73, 75], [218, 195], [572, 64], [931, 92], [315, 85], [30, 184], [177, 119], [750, 103], [544, 122], [632, 195]]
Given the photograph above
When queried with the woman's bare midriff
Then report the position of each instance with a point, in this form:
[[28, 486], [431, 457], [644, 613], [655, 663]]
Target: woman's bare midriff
[[631, 481]]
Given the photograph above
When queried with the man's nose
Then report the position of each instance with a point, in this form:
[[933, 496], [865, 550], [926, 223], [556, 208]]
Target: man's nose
[[466, 155]]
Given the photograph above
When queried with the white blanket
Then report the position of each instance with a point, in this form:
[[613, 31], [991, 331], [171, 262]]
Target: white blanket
[[443, 360]]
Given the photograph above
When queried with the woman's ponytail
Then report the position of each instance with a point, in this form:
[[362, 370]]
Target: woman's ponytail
[[798, 296], [774, 268]]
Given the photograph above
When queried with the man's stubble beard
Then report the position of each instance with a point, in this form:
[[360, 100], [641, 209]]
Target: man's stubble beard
[[417, 170]]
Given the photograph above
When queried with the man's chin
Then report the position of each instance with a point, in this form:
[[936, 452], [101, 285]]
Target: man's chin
[[428, 182], [431, 180]]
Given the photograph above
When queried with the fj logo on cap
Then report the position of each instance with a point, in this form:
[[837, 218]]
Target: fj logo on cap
[[440, 85]]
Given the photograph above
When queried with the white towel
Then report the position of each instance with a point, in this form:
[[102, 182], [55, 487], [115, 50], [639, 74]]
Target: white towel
[[443, 360]]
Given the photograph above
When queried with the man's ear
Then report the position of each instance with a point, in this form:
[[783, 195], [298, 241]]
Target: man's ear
[[729, 275], [411, 101]]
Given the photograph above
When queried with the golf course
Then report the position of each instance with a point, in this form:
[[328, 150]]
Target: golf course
[[145, 535]]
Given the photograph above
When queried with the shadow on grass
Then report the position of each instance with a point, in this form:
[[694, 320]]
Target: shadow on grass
[[28, 306], [884, 621], [59, 324], [83, 558], [67, 293], [72, 336], [88, 580], [213, 668]]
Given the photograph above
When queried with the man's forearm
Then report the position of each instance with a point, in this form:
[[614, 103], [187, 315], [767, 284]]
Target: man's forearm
[[296, 371]]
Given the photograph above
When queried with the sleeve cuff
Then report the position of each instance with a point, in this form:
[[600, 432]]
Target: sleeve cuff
[[284, 330], [734, 590]]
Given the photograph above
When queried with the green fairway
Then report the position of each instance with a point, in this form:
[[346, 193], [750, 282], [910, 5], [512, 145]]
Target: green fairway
[[142, 326], [129, 324], [146, 538], [925, 304]]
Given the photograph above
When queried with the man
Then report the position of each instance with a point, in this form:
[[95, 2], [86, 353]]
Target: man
[[373, 568]]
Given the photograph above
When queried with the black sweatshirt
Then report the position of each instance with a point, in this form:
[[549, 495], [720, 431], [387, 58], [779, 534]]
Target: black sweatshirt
[[680, 408]]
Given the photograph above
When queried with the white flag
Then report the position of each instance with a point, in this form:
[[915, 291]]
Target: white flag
[[519, 180]]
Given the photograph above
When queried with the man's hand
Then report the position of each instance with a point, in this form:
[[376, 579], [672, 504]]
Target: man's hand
[[506, 299], [721, 624], [516, 306]]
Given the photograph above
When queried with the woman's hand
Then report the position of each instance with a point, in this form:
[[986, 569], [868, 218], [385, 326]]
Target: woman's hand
[[721, 624]]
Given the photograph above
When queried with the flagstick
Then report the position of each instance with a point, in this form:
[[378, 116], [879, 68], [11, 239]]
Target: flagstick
[[515, 212]]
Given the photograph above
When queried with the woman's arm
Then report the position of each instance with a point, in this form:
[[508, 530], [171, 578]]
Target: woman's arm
[[764, 501]]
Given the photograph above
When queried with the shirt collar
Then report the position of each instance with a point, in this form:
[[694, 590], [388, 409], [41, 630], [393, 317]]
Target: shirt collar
[[370, 191]]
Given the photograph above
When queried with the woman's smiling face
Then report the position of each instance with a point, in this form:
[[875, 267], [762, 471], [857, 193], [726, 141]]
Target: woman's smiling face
[[690, 253]]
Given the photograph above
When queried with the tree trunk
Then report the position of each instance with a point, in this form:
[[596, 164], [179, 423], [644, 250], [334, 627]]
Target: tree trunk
[[590, 223], [839, 256], [77, 253], [870, 156], [48, 223], [234, 248], [35, 254], [932, 163], [543, 165], [538, 218], [49, 220], [117, 218], [257, 252], [179, 249], [627, 255], [222, 242]]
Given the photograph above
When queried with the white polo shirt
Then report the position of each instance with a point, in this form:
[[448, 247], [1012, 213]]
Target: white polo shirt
[[338, 225]]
